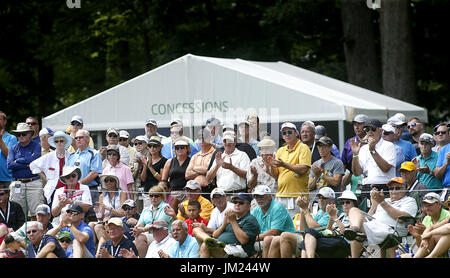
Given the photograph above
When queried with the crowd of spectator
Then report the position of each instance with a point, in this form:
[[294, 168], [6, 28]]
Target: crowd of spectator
[[228, 192]]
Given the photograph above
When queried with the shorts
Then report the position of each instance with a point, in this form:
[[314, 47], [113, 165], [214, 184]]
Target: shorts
[[28, 195]]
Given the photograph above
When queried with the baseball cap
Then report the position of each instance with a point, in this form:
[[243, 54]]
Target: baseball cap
[[395, 180], [151, 121], [113, 148], [324, 140], [388, 128], [394, 120], [130, 203], [181, 142], [360, 118], [64, 234], [154, 140], [212, 122], [327, 192], [217, 191], [261, 190], [288, 125], [75, 207], [43, 209], [426, 137], [116, 221], [124, 134], [193, 184], [45, 131], [431, 198], [112, 130], [320, 131], [227, 127], [373, 123], [229, 135], [141, 138], [77, 118], [160, 224], [244, 122], [408, 166], [176, 121], [242, 196]]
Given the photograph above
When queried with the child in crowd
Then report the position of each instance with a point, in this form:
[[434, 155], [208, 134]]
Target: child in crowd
[[193, 212]]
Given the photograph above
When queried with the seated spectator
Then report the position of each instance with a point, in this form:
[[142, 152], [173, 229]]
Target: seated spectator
[[163, 241], [65, 239], [42, 245], [184, 247], [415, 188], [193, 192], [381, 219], [331, 242], [131, 217], [237, 234], [436, 216], [13, 245], [11, 213], [426, 163], [442, 235], [114, 247], [193, 213], [272, 216], [288, 244]]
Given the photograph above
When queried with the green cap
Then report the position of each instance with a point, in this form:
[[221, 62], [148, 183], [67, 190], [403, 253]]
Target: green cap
[[64, 234]]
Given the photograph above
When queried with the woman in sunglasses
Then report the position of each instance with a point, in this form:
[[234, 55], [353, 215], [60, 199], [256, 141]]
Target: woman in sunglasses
[[330, 243], [119, 169], [50, 166]]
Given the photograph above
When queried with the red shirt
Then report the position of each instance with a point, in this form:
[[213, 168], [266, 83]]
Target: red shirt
[[197, 220]]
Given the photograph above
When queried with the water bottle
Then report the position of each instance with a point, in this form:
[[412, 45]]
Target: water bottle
[[406, 248], [397, 254]]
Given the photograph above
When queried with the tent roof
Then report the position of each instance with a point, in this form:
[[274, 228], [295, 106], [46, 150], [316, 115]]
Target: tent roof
[[194, 88]]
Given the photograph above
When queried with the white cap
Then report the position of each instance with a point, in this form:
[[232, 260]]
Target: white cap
[[395, 121], [45, 131], [124, 134], [388, 128], [181, 142], [151, 121], [112, 130], [327, 192], [77, 119], [193, 184], [348, 195], [228, 126], [261, 190], [229, 135], [360, 118], [401, 117], [288, 125], [217, 191], [141, 138], [176, 121]]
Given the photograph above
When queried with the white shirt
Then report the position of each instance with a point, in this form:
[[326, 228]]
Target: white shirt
[[406, 204], [154, 247], [372, 173], [83, 196], [227, 180], [216, 219]]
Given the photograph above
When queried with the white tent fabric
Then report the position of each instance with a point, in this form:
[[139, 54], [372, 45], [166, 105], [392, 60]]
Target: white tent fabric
[[194, 88]]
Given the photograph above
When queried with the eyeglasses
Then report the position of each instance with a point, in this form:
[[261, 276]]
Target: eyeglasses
[[387, 133], [154, 196], [321, 197], [112, 135], [65, 240], [60, 141], [287, 132], [395, 188], [139, 143], [79, 137], [346, 202], [179, 147], [370, 128], [31, 232], [123, 139], [440, 132], [110, 180], [75, 123], [127, 208], [32, 123], [113, 153], [156, 146], [239, 202], [73, 212], [22, 134], [71, 176], [412, 125], [3, 193], [258, 196]]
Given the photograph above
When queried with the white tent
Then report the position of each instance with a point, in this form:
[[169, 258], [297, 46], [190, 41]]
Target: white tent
[[194, 88]]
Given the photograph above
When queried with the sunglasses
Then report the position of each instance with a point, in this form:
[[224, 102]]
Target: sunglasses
[[412, 125], [65, 240], [32, 123], [127, 208], [123, 139], [79, 137], [113, 153], [75, 123], [239, 202], [346, 202], [179, 147], [71, 176], [175, 132], [370, 128], [60, 141], [139, 143], [287, 132], [156, 146], [22, 134], [73, 212], [3, 193], [440, 132], [112, 135], [109, 180], [154, 196], [395, 188], [387, 133], [31, 232]]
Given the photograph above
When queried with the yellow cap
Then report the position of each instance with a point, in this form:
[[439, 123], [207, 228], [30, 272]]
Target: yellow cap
[[408, 166]]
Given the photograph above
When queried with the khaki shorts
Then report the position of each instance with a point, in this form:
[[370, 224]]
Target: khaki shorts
[[28, 195]]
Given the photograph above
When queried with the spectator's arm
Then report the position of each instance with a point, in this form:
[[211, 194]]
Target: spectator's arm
[[439, 172], [212, 172], [82, 237], [393, 212], [335, 180], [48, 248], [382, 164], [241, 235], [271, 232], [356, 167], [89, 178], [190, 173]]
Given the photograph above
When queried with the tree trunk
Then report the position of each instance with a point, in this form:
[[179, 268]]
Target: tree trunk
[[362, 62], [396, 50]]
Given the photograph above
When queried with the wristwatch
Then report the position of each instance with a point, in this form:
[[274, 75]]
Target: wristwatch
[[69, 225], [373, 152]]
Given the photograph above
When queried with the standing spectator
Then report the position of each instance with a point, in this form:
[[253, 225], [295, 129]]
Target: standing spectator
[[244, 135], [358, 127], [118, 168], [415, 128], [77, 124], [33, 123], [272, 216], [322, 131], [415, 188], [259, 173], [112, 137], [291, 168], [193, 215], [28, 186], [140, 144], [307, 136], [255, 132], [442, 171], [124, 140], [151, 128], [328, 170], [237, 234], [44, 134], [441, 136], [90, 163], [176, 132], [407, 148], [376, 159], [154, 166], [213, 127], [114, 247], [185, 246], [43, 245], [7, 141], [389, 135], [426, 163], [49, 167], [163, 241], [230, 167], [11, 213]]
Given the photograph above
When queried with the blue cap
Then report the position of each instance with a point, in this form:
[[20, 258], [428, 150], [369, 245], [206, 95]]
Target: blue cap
[[242, 196]]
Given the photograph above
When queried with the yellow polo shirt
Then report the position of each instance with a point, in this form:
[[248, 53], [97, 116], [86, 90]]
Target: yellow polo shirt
[[289, 183]]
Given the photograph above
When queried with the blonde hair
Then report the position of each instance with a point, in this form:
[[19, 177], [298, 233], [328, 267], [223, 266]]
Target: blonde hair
[[160, 190]]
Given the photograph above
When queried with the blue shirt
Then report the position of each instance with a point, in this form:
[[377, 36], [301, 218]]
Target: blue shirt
[[429, 180], [90, 244], [189, 249], [88, 160], [5, 173], [276, 217], [148, 216], [46, 239], [19, 159], [168, 150], [321, 217], [347, 154], [399, 159], [441, 161], [408, 149]]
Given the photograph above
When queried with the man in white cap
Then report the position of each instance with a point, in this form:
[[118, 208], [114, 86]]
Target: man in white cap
[[389, 135], [76, 124], [426, 162], [213, 127], [44, 134], [114, 247], [124, 140], [112, 137], [27, 189], [358, 127], [163, 241], [151, 128], [407, 148], [291, 168], [193, 192]]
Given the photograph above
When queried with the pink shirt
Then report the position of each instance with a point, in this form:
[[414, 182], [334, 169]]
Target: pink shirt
[[124, 174]]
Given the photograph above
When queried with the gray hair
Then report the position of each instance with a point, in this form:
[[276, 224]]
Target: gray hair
[[310, 124], [183, 224], [39, 225]]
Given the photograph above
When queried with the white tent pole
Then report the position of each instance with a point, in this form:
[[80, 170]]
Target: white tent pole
[[341, 135]]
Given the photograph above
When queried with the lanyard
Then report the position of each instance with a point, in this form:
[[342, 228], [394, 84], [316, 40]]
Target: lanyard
[[114, 254], [8, 210], [39, 248]]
